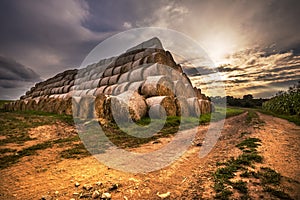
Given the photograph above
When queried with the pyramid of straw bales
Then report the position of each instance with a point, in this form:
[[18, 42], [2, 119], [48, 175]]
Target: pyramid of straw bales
[[144, 80]]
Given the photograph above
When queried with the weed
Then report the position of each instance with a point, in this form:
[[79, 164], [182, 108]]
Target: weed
[[269, 176], [250, 143], [277, 193], [7, 150], [240, 186], [77, 151]]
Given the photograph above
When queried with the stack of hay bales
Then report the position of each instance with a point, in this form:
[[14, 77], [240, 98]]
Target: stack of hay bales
[[144, 78]]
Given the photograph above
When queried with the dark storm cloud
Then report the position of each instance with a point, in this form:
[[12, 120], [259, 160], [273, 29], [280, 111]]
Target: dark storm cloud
[[15, 78], [228, 68], [12, 70]]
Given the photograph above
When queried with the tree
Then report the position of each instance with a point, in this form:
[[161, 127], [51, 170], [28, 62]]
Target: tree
[[248, 97]]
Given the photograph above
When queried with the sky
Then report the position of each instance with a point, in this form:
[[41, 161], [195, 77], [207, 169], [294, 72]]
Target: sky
[[254, 44]]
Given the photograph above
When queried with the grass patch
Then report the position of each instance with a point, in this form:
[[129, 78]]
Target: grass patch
[[240, 186], [291, 118], [277, 193], [15, 125], [250, 143], [77, 151], [224, 194], [269, 176], [223, 175], [8, 160], [7, 150]]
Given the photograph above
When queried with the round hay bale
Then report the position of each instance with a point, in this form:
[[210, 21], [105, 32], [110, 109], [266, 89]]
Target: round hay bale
[[104, 81], [48, 105], [100, 106], [179, 88], [194, 107], [170, 60], [17, 105], [86, 109], [95, 83], [189, 91], [58, 106], [88, 85], [100, 91], [76, 106], [149, 51], [100, 74], [84, 92], [182, 107], [166, 102], [205, 106], [155, 70], [117, 70], [137, 63], [185, 79], [120, 88], [123, 77], [66, 88], [108, 72], [128, 105], [157, 86], [135, 86], [61, 90], [109, 89], [126, 67], [120, 61], [91, 92], [68, 106], [94, 76], [113, 79], [136, 75], [77, 92], [128, 58], [138, 56], [158, 57], [41, 104], [197, 92]]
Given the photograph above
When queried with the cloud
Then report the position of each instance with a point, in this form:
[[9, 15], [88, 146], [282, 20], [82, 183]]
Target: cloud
[[15, 78], [12, 70], [49, 36]]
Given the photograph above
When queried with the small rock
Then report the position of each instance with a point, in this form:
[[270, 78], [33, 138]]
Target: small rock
[[77, 184], [106, 195], [56, 192], [76, 194], [163, 196], [46, 197], [95, 194], [99, 183], [87, 187], [114, 187], [72, 199]]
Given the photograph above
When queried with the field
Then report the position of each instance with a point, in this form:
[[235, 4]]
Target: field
[[256, 157]]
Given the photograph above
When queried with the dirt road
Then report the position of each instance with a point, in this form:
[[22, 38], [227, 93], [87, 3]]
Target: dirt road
[[48, 175]]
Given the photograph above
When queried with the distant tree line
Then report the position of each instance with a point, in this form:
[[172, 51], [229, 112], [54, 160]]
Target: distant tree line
[[247, 101]]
